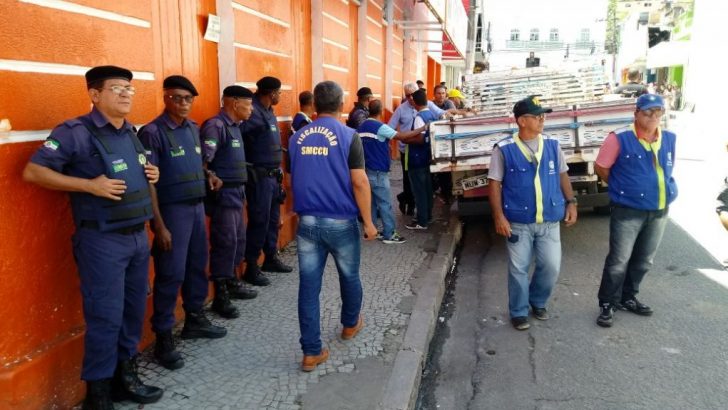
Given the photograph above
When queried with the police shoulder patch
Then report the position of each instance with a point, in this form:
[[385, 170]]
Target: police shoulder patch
[[52, 144]]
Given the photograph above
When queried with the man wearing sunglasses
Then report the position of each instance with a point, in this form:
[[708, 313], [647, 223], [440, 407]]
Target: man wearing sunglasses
[[98, 158], [180, 242], [530, 193], [637, 162]]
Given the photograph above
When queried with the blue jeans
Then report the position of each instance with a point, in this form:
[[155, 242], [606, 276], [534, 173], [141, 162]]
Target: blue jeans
[[634, 236], [422, 190], [317, 238], [382, 201], [542, 241]]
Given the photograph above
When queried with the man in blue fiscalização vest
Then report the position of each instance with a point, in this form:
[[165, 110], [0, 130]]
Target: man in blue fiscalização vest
[[637, 162], [530, 193], [375, 137], [264, 189], [330, 188], [99, 160], [417, 162], [180, 238], [223, 155]]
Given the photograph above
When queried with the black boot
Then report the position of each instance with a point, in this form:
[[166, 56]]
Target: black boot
[[98, 395], [239, 291], [165, 353], [254, 276], [127, 386], [221, 304], [198, 326], [274, 264]]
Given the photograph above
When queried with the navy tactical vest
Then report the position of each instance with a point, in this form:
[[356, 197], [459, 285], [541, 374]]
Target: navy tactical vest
[[633, 179], [229, 161], [376, 153], [519, 190], [419, 154], [320, 170], [180, 177], [262, 137], [124, 158]]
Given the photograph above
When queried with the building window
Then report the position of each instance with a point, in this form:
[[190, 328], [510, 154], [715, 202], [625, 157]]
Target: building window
[[534, 34], [584, 35], [554, 34], [515, 34]]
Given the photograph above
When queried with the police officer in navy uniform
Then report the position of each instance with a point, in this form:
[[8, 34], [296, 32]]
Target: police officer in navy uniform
[[180, 239], [264, 189], [223, 156], [360, 112], [98, 158]]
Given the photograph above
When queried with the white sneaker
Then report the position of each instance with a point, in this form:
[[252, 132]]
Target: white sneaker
[[415, 226]]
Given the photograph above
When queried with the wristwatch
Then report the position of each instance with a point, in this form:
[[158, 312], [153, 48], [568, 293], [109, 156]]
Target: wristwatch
[[572, 201]]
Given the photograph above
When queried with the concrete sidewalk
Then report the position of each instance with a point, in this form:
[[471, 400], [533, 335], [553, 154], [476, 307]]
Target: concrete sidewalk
[[257, 365]]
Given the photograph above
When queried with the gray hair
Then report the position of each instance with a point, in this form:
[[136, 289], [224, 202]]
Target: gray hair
[[328, 97], [410, 88]]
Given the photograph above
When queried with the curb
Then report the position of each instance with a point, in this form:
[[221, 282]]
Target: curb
[[400, 391]]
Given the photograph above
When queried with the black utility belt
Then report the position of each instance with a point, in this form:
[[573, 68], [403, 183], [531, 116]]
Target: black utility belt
[[270, 172], [94, 225]]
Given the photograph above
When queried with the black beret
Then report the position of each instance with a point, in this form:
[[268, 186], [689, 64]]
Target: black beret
[[268, 83], [364, 91], [237, 91], [178, 81], [105, 72]]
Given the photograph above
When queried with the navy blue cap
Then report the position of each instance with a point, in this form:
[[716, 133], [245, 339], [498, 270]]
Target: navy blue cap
[[647, 101], [363, 92], [237, 91], [268, 83], [178, 81], [104, 72]]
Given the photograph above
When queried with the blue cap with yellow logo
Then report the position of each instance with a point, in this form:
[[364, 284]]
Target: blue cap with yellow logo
[[530, 105]]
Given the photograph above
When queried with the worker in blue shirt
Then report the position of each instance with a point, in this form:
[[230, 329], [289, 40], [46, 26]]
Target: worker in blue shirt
[[99, 160], [264, 189], [330, 188]]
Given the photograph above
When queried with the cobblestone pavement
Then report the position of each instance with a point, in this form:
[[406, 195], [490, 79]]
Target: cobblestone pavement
[[257, 365]]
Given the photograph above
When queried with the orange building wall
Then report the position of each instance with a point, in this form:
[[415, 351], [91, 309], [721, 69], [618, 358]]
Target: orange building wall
[[42, 325]]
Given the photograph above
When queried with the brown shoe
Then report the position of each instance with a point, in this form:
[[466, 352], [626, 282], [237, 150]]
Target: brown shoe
[[349, 332], [310, 362]]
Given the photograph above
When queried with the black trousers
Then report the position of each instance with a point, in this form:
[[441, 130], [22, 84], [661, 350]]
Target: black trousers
[[406, 196]]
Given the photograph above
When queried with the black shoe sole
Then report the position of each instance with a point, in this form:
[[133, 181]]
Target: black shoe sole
[[177, 364], [124, 395], [636, 312], [244, 296], [201, 334], [258, 282], [605, 324], [227, 315]]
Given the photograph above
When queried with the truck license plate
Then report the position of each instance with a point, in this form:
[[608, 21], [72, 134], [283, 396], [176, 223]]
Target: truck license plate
[[474, 182]]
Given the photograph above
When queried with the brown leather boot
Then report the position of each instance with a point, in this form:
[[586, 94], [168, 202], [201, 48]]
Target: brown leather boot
[[349, 332], [310, 362]]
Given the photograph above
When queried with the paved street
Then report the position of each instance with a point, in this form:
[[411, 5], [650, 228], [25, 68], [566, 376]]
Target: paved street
[[257, 365], [675, 359]]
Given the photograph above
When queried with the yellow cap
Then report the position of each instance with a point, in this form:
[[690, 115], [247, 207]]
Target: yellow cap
[[454, 92]]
